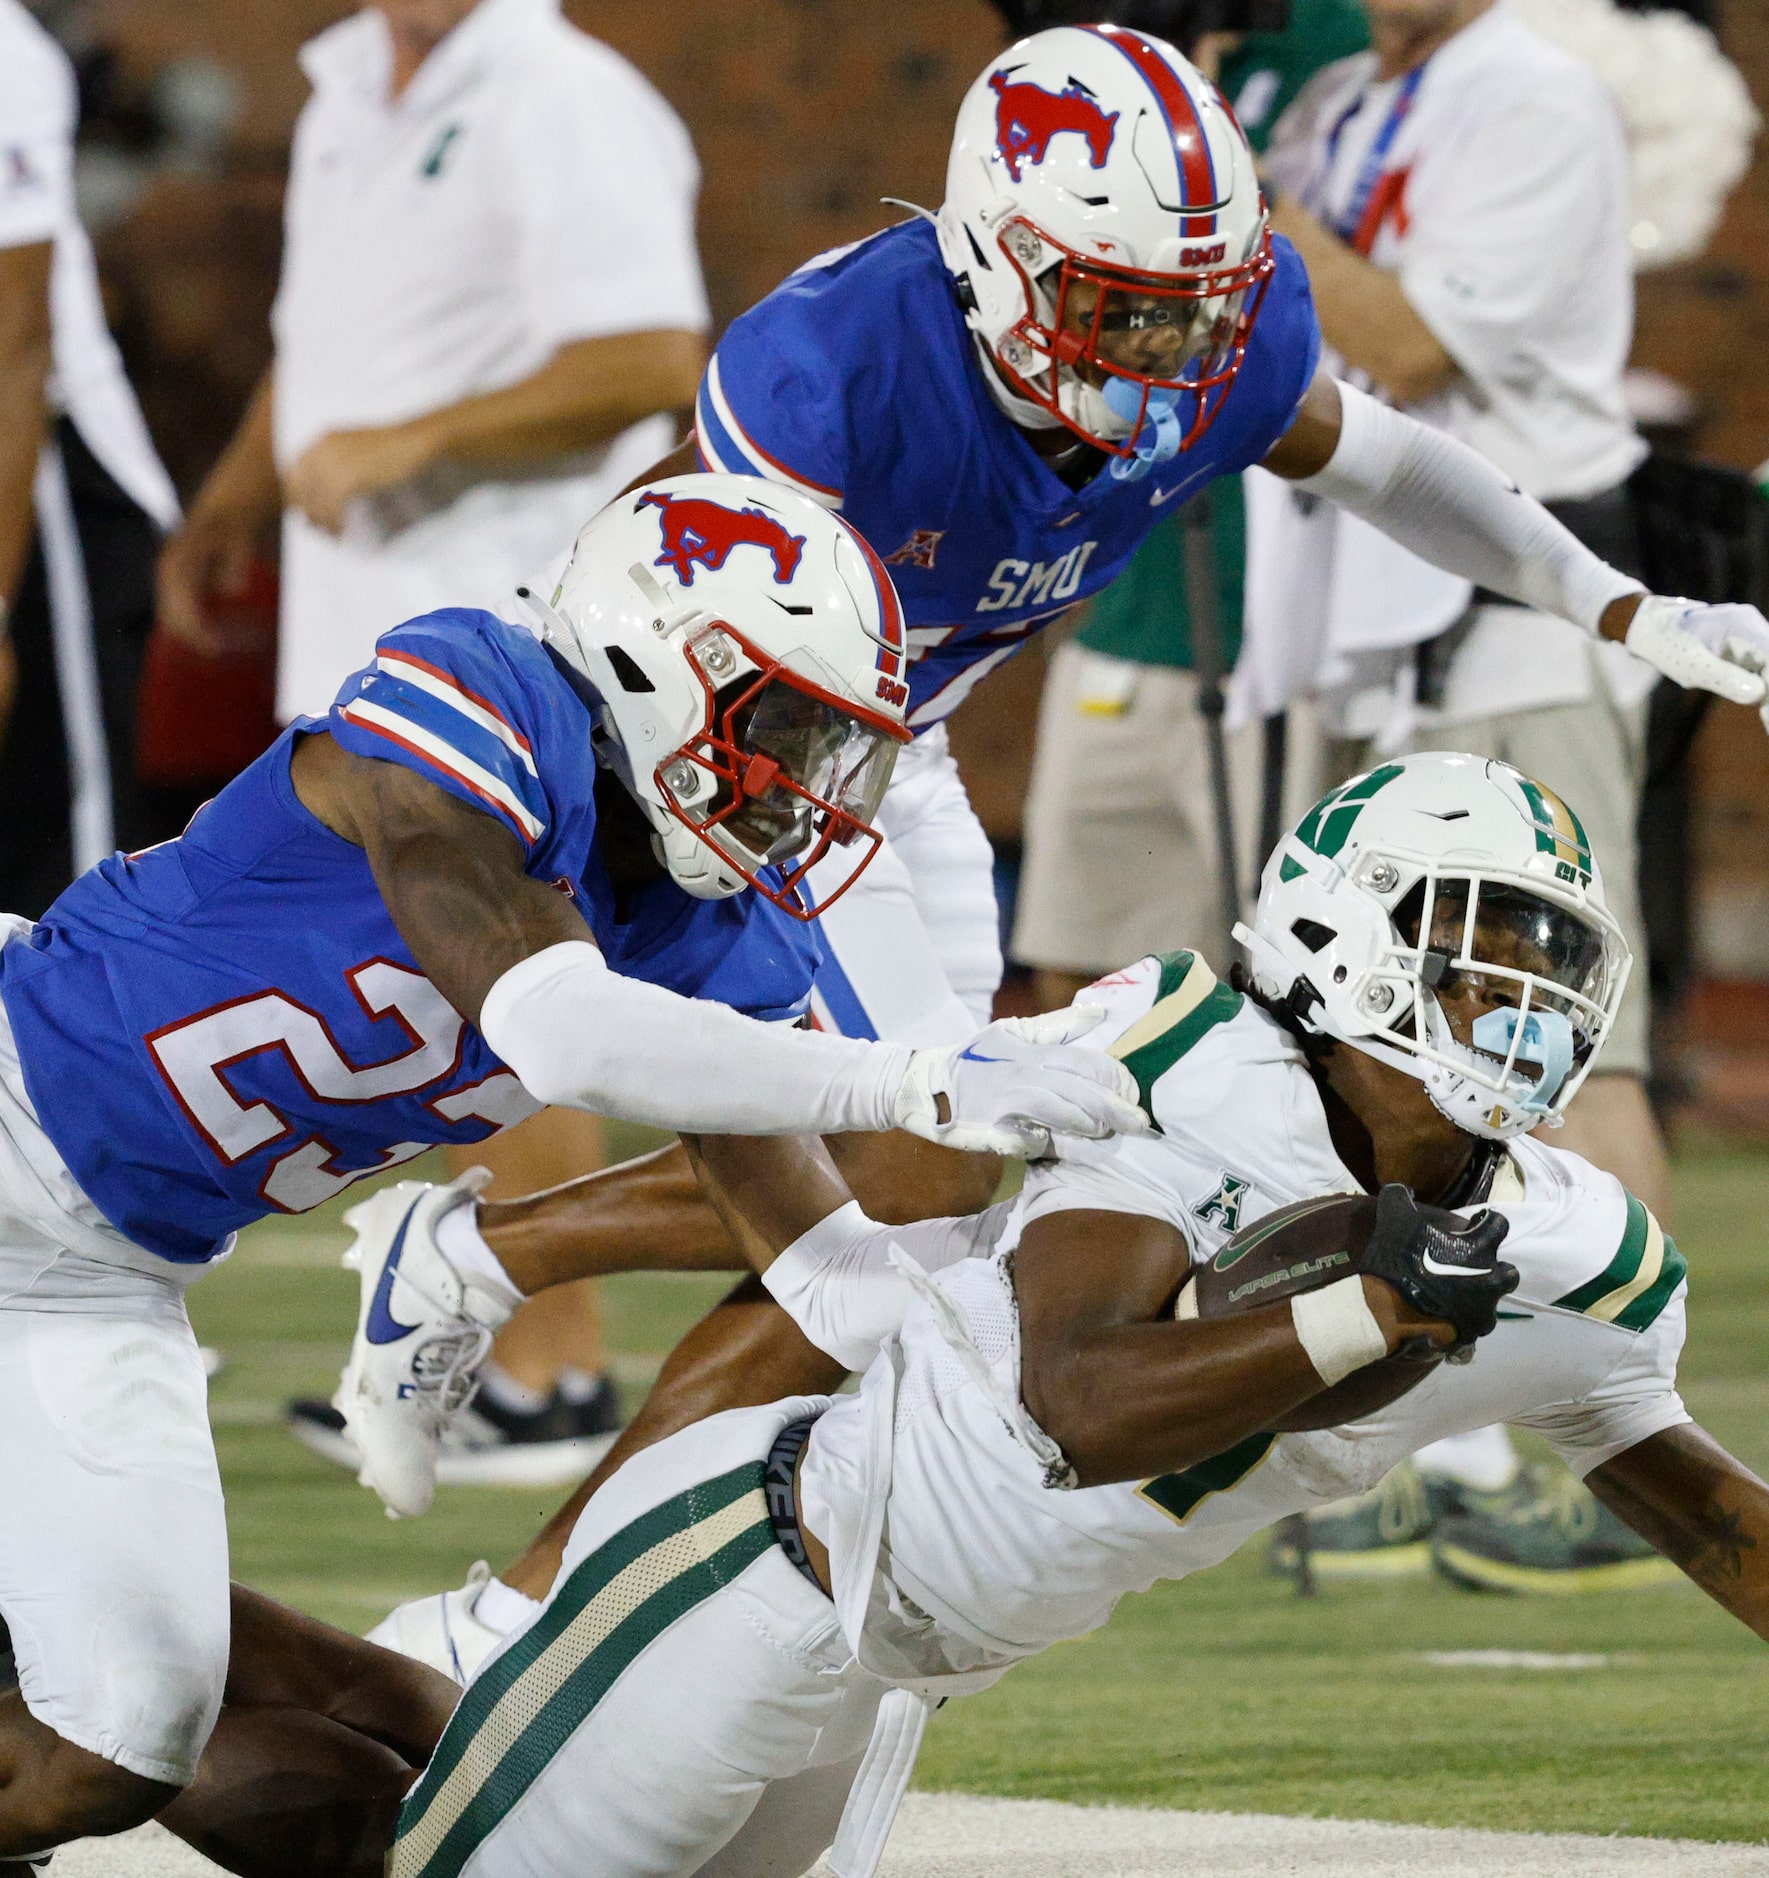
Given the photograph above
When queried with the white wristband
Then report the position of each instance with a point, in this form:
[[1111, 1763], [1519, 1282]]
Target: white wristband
[[1337, 1328]]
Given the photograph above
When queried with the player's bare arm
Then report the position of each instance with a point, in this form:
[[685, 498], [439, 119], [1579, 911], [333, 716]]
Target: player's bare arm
[[1124, 1390], [1705, 1511], [451, 876]]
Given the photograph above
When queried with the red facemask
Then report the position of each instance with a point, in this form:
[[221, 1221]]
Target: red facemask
[[796, 773], [1174, 332]]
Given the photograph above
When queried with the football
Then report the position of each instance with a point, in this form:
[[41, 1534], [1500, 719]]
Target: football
[[1300, 1248]]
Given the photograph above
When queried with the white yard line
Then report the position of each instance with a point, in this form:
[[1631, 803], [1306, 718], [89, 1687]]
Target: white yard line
[[951, 1835]]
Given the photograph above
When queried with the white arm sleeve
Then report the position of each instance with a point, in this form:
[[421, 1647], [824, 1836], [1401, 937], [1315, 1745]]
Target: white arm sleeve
[[837, 1282], [1451, 507], [583, 1037]]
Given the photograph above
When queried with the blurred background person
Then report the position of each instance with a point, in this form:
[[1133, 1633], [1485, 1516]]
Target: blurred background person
[[490, 308], [1460, 195], [1122, 833], [84, 502]]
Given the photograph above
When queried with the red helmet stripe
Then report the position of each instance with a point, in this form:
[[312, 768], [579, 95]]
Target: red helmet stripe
[[1190, 145], [890, 608]]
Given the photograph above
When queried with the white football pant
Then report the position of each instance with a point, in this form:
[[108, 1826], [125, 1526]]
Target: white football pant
[[913, 948], [683, 1702], [113, 1539]]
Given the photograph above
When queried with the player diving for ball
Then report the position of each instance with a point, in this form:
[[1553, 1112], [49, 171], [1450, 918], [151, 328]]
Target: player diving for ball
[[1007, 397], [1005, 400], [754, 1615], [512, 865]]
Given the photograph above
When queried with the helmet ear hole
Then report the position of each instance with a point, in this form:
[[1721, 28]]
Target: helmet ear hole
[[1313, 934], [626, 669]]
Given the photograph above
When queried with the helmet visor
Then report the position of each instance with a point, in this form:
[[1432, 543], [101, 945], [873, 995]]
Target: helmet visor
[[800, 754], [1165, 331], [1493, 945]]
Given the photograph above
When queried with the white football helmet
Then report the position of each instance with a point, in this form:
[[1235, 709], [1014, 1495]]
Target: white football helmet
[[1104, 221], [744, 654], [1445, 915]]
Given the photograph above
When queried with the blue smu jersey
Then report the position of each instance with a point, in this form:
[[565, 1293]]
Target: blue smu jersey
[[857, 382], [229, 1024]]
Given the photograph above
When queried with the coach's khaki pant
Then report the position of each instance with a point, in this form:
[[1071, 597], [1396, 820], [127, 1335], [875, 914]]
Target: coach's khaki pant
[[1120, 832]]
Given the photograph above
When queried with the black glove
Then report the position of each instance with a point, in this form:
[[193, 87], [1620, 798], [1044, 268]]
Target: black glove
[[1442, 1267]]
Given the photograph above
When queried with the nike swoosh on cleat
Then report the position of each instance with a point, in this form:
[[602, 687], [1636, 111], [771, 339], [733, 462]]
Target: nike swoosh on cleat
[[382, 1325]]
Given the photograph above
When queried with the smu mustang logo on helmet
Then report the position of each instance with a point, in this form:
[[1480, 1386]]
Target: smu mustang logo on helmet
[[699, 533], [1028, 117]]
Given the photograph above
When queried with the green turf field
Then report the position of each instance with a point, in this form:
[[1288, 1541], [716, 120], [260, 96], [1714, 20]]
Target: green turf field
[[1225, 1692]]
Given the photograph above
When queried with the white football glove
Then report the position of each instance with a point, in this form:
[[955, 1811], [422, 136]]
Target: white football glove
[[1724, 649], [1018, 1083]]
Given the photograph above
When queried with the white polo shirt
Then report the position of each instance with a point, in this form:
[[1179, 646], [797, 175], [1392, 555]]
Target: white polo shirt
[[529, 188], [1507, 175], [39, 112]]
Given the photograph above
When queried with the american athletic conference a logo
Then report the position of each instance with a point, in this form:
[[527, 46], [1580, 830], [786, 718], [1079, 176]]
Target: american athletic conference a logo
[[701, 533], [1027, 117]]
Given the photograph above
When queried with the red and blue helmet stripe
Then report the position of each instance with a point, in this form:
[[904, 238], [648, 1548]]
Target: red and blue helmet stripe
[[890, 608], [1191, 147]]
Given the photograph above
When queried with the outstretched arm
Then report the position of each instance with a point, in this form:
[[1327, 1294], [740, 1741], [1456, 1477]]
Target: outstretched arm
[[1449, 505], [1704, 1511], [516, 958]]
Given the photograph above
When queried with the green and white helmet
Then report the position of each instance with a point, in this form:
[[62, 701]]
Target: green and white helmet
[[1445, 915]]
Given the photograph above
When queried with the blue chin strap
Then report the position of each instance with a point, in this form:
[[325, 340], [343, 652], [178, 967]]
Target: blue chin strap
[[1159, 437], [1546, 1040]]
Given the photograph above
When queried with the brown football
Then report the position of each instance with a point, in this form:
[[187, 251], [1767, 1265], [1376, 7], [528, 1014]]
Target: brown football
[[1300, 1248]]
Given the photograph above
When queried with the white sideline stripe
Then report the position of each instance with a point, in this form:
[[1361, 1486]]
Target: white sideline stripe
[[378, 717], [1517, 1659], [954, 1835], [408, 672]]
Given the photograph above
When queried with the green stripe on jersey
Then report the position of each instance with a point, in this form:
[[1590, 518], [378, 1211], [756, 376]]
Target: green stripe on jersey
[[1189, 1001], [518, 1714], [1178, 1494], [1638, 1282]]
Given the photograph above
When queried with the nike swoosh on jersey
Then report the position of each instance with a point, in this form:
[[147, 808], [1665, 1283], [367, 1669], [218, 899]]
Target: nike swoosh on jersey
[[383, 1326]]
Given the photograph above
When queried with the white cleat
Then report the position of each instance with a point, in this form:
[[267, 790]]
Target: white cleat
[[422, 1335], [445, 1630]]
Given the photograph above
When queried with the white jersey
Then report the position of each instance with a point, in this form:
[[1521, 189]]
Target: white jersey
[[952, 1554]]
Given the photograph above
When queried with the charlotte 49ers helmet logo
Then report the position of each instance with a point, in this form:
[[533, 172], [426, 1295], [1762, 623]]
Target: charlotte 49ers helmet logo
[[701, 533], [1028, 117]]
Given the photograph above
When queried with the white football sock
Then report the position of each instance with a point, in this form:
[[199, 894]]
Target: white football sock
[[513, 1397], [502, 1607], [460, 1241]]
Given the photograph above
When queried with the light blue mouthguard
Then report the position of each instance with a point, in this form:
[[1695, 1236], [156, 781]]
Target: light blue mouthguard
[[1158, 438], [1547, 1040]]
